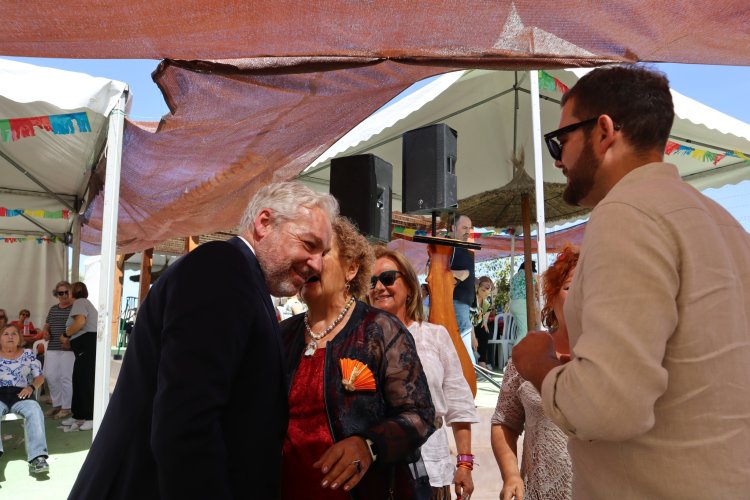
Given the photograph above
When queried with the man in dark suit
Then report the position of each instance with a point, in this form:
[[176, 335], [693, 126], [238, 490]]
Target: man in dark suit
[[200, 407]]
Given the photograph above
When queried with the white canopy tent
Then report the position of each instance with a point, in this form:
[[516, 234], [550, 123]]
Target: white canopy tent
[[493, 113], [55, 128], [480, 105]]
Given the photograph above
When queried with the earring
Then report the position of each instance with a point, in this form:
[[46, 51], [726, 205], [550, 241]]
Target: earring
[[347, 286]]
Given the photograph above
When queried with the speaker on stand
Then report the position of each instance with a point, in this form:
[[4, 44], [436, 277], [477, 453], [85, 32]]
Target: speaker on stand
[[429, 180], [362, 185]]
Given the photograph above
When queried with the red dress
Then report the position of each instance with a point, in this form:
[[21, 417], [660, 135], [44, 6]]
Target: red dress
[[308, 435]]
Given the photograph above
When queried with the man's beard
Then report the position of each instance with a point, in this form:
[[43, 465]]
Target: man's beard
[[276, 267], [581, 176]]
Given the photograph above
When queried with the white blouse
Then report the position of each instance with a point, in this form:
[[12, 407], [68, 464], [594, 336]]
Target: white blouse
[[450, 394]]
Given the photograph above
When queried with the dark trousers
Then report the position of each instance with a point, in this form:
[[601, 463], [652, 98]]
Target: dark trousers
[[483, 338], [84, 375]]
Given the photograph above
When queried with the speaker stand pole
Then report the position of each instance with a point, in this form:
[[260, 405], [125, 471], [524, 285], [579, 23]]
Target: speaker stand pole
[[434, 223]]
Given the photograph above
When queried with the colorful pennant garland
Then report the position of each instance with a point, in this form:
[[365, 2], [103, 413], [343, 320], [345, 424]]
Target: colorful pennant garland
[[14, 129], [674, 148], [550, 83], [39, 214], [38, 239]]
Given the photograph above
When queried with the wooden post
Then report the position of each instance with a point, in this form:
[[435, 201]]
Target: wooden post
[[531, 321], [119, 276], [147, 260], [191, 243]]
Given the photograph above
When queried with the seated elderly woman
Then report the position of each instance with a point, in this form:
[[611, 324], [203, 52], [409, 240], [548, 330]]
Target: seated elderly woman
[[546, 469], [359, 404], [20, 376], [395, 288]]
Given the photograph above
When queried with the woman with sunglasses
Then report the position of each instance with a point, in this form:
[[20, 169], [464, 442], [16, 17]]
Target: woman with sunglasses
[[359, 404], [546, 469], [395, 288], [59, 359]]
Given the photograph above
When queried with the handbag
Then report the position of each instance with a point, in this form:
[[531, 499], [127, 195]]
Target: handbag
[[420, 479]]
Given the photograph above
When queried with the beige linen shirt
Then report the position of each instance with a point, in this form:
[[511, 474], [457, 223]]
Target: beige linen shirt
[[657, 397]]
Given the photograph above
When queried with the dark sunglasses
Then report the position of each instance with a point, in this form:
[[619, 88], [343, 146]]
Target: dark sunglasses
[[554, 146], [61, 294], [387, 278]]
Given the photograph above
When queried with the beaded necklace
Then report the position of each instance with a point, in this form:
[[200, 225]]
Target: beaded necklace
[[312, 346]]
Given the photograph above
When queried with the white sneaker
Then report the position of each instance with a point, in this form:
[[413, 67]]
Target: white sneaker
[[87, 425], [69, 421], [72, 428]]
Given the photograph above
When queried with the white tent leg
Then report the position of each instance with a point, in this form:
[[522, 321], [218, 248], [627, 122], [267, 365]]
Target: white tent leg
[[76, 249], [108, 253], [541, 243], [538, 173]]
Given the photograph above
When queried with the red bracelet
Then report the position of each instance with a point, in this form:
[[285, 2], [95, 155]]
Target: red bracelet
[[465, 458], [465, 465]]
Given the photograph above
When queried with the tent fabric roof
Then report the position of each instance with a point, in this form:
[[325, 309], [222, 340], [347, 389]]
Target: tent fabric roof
[[300, 75], [435, 30]]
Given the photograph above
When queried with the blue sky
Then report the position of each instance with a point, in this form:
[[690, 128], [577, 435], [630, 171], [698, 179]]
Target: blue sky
[[721, 87]]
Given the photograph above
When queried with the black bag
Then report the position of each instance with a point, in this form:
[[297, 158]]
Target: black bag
[[421, 481], [9, 395]]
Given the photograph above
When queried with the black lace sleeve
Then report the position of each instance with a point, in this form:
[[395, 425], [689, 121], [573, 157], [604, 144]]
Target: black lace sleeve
[[410, 414]]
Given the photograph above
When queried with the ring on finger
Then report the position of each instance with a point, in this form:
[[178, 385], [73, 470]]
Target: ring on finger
[[358, 465]]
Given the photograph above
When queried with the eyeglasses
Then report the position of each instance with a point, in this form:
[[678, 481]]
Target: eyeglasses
[[554, 146], [61, 294], [387, 278]]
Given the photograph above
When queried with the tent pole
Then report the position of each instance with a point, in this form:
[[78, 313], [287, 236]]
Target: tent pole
[[108, 255], [536, 123], [75, 248]]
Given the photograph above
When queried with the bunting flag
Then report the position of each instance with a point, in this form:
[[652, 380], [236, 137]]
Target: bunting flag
[[550, 83], [14, 129], [674, 148], [39, 214], [38, 239]]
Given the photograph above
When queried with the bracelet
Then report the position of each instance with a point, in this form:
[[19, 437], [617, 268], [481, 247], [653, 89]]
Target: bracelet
[[465, 458], [465, 465]]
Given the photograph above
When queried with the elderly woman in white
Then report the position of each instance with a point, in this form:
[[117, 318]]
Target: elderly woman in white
[[394, 288]]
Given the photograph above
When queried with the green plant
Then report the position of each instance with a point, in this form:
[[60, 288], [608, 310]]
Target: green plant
[[499, 271]]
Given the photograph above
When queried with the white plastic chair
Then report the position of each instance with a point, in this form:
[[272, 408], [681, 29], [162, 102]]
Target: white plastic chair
[[35, 346], [504, 340]]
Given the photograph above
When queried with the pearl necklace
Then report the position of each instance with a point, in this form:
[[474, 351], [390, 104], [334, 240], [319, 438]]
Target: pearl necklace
[[312, 346]]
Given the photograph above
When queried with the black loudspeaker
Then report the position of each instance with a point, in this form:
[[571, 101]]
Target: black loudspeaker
[[429, 169], [362, 184]]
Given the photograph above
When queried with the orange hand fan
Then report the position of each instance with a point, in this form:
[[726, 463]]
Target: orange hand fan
[[356, 375]]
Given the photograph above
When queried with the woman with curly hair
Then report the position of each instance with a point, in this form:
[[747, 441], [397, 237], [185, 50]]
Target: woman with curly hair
[[359, 403], [546, 470]]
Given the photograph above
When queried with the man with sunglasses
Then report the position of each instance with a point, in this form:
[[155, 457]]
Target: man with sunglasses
[[656, 398]]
